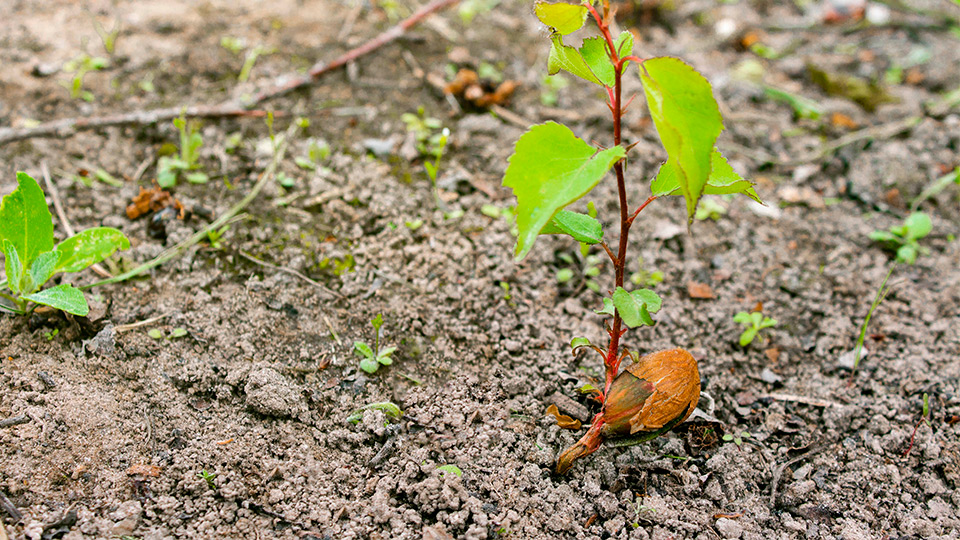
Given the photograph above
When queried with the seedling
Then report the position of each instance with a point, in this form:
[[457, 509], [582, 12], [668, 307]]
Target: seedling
[[550, 89], [187, 164], [881, 294], [587, 266], [208, 478], [639, 510], [938, 185], [551, 168], [107, 37], [924, 419], [388, 408], [156, 333], [648, 278], [372, 358], [903, 239], [215, 235], [737, 438], [754, 323], [710, 208], [317, 151], [450, 469], [434, 168], [80, 66], [427, 131], [31, 259]]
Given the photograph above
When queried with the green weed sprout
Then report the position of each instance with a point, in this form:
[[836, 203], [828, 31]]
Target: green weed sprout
[[80, 66], [389, 408], [552, 168], [31, 258], [903, 239], [372, 358], [107, 37], [187, 163], [754, 322], [208, 478], [737, 438]]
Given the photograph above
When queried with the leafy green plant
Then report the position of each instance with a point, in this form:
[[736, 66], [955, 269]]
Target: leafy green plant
[[317, 151], [586, 267], [642, 276], [215, 236], [178, 332], [79, 67], [170, 168], [903, 239], [32, 259], [737, 438], [551, 168], [372, 358], [754, 323], [450, 469]]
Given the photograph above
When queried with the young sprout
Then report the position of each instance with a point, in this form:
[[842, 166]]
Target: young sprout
[[903, 239], [372, 358], [737, 438], [187, 163], [754, 322]]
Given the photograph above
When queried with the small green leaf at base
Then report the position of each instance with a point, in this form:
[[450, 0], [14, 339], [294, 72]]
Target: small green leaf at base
[[579, 342], [89, 247], [450, 469], [42, 268], [580, 227], [65, 297], [635, 307], [364, 350], [369, 365], [551, 168], [12, 266]]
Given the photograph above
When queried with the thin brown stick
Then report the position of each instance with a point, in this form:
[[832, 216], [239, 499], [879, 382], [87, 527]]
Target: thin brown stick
[[230, 108], [62, 216]]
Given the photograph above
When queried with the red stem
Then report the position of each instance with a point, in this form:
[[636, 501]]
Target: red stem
[[612, 361]]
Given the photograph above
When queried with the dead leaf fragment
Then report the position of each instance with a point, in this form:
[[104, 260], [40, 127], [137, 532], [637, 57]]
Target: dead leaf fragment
[[844, 121], [468, 86], [773, 354], [144, 470], [699, 290], [563, 420], [152, 200]]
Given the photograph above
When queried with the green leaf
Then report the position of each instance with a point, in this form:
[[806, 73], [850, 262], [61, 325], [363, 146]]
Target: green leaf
[[768, 322], [723, 180], [649, 298], [581, 227], [687, 119], [885, 237], [747, 336], [364, 350], [564, 275], [13, 266], [155, 333], [563, 18], [608, 308], [89, 247], [450, 469], [388, 408], [25, 220], [570, 60], [178, 333], [377, 321], [369, 365], [907, 253], [384, 356], [595, 55], [551, 168], [42, 268], [918, 225], [742, 318], [198, 178], [65, 297], [578, 342]]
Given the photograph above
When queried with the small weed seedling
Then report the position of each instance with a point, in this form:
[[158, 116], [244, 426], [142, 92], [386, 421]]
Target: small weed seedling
[[450, 469], [371, 358], [427, 131], [317, 152], [388, 408], [208, 478], [858, 350], [903, 239], [31, 259], [737, 438], [156, 333], [551, 168], [587, 267], [187, 163], [938, 185], [924, 419], [79, 67], [754, 323], [107, 37], [644, 277]]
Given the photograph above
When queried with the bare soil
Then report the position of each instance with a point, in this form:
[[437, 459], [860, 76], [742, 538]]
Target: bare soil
[[122, 427]]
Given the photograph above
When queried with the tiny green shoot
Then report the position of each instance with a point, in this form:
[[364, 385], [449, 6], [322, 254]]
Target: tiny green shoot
[[79, 67], [903, 239], [450, 469], [754, 323], [208, 478], [187, 163], [737, 438], [880, 296], [371, 358], [390, 409]]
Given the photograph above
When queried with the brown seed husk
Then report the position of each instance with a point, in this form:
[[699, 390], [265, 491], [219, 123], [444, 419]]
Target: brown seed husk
[[657, 389]]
